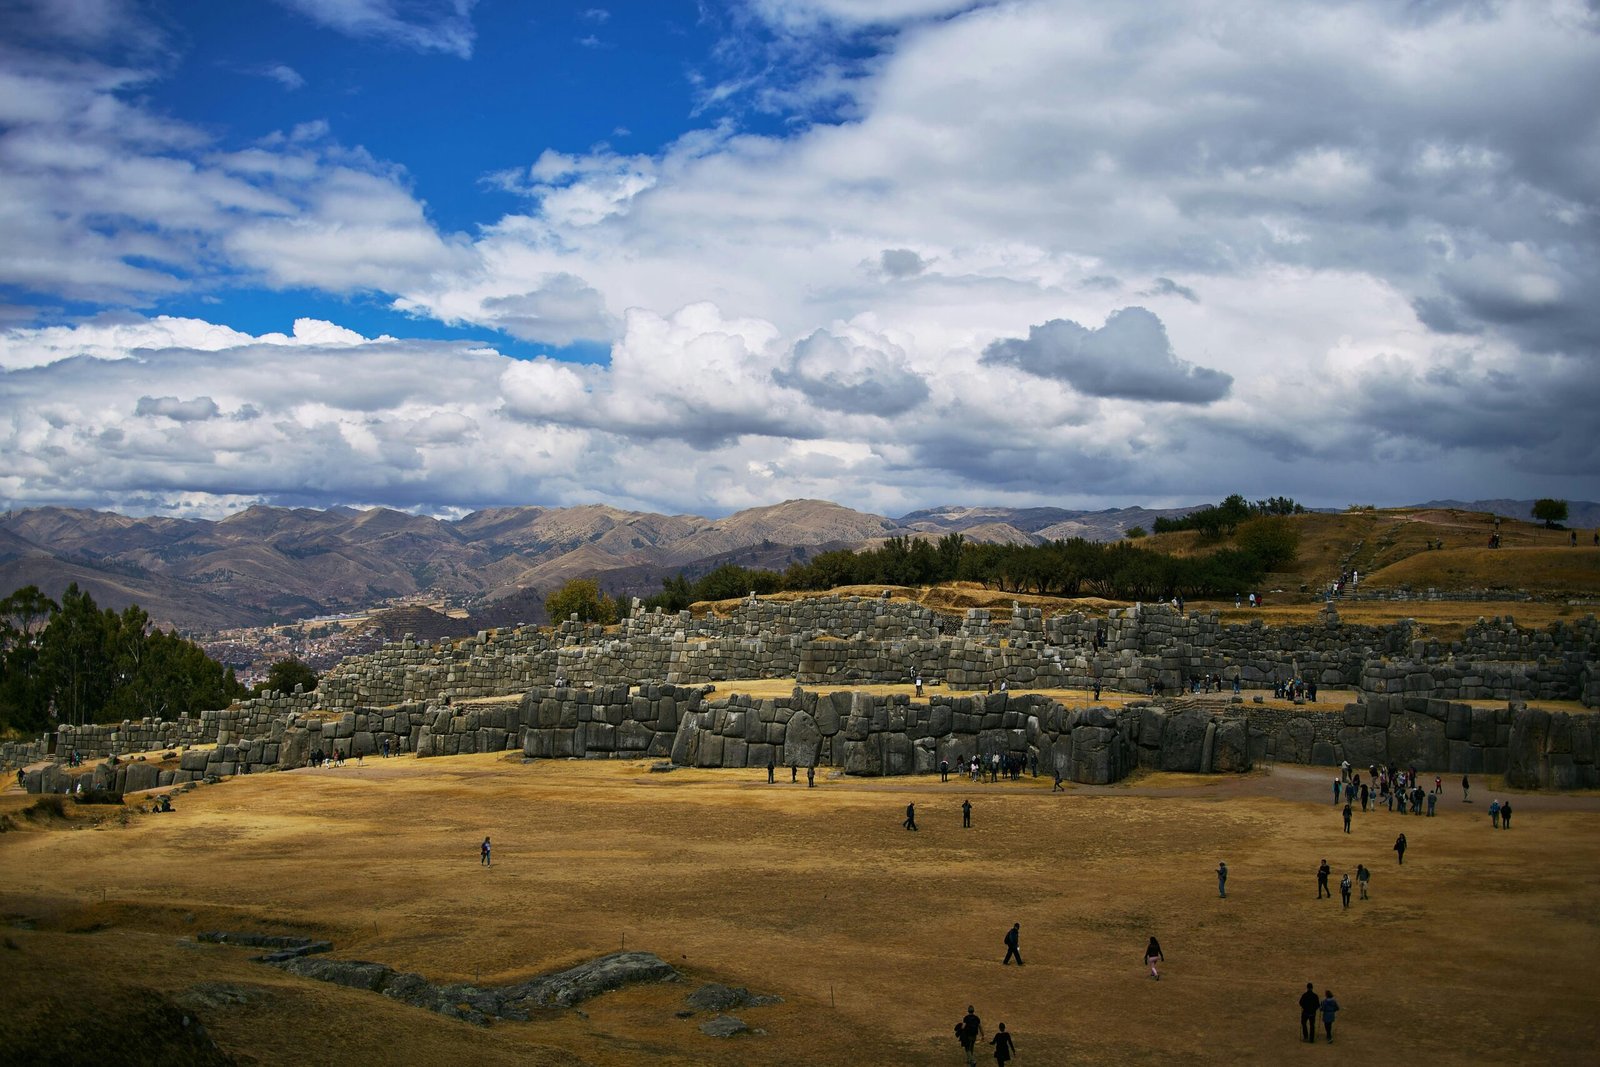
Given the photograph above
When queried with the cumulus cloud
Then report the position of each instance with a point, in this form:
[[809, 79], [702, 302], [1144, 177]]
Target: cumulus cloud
[[420, 25], [170, 407], [852, 370], [1129, 357], [901, 263], [563, 309]]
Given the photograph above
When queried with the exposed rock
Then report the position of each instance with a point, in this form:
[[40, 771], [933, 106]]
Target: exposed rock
[[723, 1026]]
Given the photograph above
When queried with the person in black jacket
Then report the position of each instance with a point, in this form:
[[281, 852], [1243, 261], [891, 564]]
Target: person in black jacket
[[1003, 1048], [1012, 937], [1309, 1003], [1153, 954]]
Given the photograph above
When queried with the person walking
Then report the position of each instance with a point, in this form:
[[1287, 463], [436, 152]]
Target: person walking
[[1433, 798], [772, 766], [1004, 1049], [1153, 955], [1322, 881], [483, 853], [1347, 810], [944, 770], [1505, 815], [1058, 787], [1336, 786], [1309, 1003], [970, 1030], [911, 817], [1012, 937], [1362, 876], [1330, 1008], [1222, 880], [1494, 813], [1400, 849], [1365, 791], [1465, 786], [811, 776], [966, 814], [1344, 889]]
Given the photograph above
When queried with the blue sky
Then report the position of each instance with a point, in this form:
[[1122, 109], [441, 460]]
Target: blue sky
[[697, 256]]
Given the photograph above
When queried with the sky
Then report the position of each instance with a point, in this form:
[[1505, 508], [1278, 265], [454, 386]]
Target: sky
[[693, 257]]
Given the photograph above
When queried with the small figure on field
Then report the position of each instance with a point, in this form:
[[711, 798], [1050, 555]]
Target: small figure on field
[[1465, 786], [794, 772], [1336, 785], [1347, 816], [1222, 879], [1003, 1048], [966, 814], [1058, 787], [1153, 955], [1505, 815], [772, 765], [483, 852], [1344, 889], [1494, 813], [911, 817], [1433, 799], [1012, 937], [811, 776], [1400, 849], [1322, 881], [968, 1031], [1330, 1008], [1309, 1003], [944, 770], [1362, 875]]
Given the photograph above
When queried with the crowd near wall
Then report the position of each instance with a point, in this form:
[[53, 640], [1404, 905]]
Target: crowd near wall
[[630, 692]]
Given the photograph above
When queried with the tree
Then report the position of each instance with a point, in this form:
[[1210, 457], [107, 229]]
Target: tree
[[285, 674], [1133, 533], [580, 597], [1272, 539], [1550, 512]]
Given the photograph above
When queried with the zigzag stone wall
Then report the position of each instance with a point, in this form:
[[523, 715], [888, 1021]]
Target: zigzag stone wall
[[410, 695]]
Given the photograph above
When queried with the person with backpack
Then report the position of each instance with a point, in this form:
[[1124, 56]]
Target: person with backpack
[[968, 1031]]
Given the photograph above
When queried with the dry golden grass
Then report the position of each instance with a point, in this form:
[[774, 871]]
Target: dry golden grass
[[1476, 951]]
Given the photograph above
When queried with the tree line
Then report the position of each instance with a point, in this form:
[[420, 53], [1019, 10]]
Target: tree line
[[1261, 543], [75, 663]]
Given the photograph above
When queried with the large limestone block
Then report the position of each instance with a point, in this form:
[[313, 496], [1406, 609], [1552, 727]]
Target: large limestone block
[[801, 740], [1231, 752], [1182, 740], [828, 715], [1094, 755], [1419, 739], [1526, 763]]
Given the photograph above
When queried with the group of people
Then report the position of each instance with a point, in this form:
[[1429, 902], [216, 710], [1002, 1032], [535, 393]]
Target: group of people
[[1010, 764], [969, 1031], [1310, 1005], [320, 758], [1363, 876], [1295, 689]]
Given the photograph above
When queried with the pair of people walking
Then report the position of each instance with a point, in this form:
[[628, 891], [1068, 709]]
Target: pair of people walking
[[969, 1031], [1310, 1005]]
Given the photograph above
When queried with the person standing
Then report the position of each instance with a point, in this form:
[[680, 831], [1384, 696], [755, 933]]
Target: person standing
[[811, 776], [1330, 1008], [1362, 875], [1400, 849], [1309, 1003], [1013, 936], [971, 1030], [1365, 792], [1494, 813], [1344, 889], [1153, 955], [794, 774], [1347, 816], [966, 814], [483, 853], [1433, 798], [944, 770], [911, 817], [1003, 1047], [1505, 815], [1465, 786], [1222, 880], [1336, 785], [772, 766], [1322, 881]]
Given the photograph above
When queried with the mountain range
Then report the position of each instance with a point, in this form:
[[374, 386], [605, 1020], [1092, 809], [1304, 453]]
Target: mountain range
[[267, 564]]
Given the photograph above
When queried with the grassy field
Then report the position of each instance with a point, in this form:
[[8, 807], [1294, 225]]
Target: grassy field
[[1476, 951]]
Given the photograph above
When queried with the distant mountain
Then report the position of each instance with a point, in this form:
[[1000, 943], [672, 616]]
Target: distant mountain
[[1581, 514], [1038, 524]]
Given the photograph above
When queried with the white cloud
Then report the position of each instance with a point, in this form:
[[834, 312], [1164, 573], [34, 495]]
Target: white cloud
[[420, 25]]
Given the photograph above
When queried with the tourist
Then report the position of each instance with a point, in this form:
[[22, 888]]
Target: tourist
[[811, 776], [944, 770], [1058, 787], [794, 772], [1322, 881], [1347, 816], [1494, 813], [1505, 815], [1433, 798], [966, 814], [970, 1030], [1222, 880], [483, 853], [1362, 876], [1336, 785], [1400, 849], [1364, 793], [1153, 954], [1003, 1048], [1012, 937], [1344, 888], [772, 765], [1465, 786], [1309, 1003], [911, 817], [1330, 1007]]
